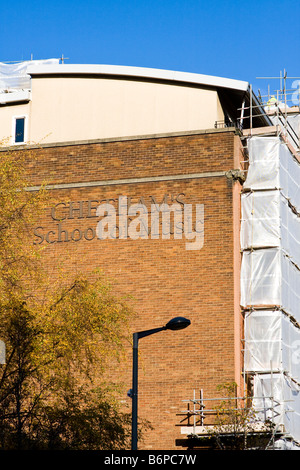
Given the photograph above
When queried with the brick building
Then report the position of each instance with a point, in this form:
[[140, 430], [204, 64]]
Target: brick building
[[134, 139]]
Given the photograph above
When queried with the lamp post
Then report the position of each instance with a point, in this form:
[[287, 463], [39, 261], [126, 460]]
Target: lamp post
[[177, 323]]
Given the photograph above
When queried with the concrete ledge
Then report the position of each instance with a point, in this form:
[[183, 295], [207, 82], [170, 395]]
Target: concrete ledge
[[15, 97], [147, 179]]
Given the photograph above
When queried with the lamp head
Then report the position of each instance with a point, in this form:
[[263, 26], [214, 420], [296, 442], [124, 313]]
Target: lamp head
[[177, 323]]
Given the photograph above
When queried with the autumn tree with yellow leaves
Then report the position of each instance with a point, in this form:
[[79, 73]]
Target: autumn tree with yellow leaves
[[59, 342]]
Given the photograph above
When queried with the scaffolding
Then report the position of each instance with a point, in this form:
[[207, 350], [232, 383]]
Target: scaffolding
[[269, 278], [279, 112], [281, 107], [233, 418]]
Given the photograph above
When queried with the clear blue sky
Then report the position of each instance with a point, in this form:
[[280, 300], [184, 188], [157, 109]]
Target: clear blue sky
[[234, 39]]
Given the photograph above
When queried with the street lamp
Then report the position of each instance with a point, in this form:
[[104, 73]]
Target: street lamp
[[177, 323]]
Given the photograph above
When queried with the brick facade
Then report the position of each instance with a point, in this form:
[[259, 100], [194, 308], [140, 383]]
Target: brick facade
[[165, 278]]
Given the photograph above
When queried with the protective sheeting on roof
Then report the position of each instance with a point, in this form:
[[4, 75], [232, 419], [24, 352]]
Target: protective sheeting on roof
[[14, 76]]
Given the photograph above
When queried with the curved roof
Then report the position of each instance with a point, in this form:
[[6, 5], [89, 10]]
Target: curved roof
[[138, 72], [231, 95]]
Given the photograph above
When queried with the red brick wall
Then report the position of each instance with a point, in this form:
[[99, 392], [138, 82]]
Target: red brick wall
[[165, 279]]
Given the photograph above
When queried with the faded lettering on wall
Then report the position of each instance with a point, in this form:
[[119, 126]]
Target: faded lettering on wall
[[121, 219]]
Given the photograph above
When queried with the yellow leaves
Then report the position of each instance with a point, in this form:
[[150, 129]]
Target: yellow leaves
[[18, 209], [78, 325], [90, 320]]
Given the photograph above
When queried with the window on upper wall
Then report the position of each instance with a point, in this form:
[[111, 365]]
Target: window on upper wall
[[19, 130]]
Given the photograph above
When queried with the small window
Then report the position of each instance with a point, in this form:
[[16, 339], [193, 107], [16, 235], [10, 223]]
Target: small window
[[20, 130]]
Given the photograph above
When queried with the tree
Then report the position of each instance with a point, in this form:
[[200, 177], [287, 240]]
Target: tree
[[19, 260], [59, 341]]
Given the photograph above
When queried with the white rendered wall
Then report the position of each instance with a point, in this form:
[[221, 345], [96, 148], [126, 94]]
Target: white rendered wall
[[76, 108]]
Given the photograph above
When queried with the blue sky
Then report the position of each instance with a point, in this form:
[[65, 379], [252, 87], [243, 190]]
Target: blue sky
[[235, 39]]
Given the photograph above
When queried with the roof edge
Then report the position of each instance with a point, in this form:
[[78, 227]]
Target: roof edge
[[105, 140], [137, 72]]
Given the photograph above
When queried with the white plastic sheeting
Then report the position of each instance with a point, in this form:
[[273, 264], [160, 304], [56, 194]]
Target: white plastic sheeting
[[289, 124], [269, 278], [14, 76], [273, 343], [272, 166], [285, 444], [270, 281], [270, 227], [268, 221], [277, 398], [294, 122]]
